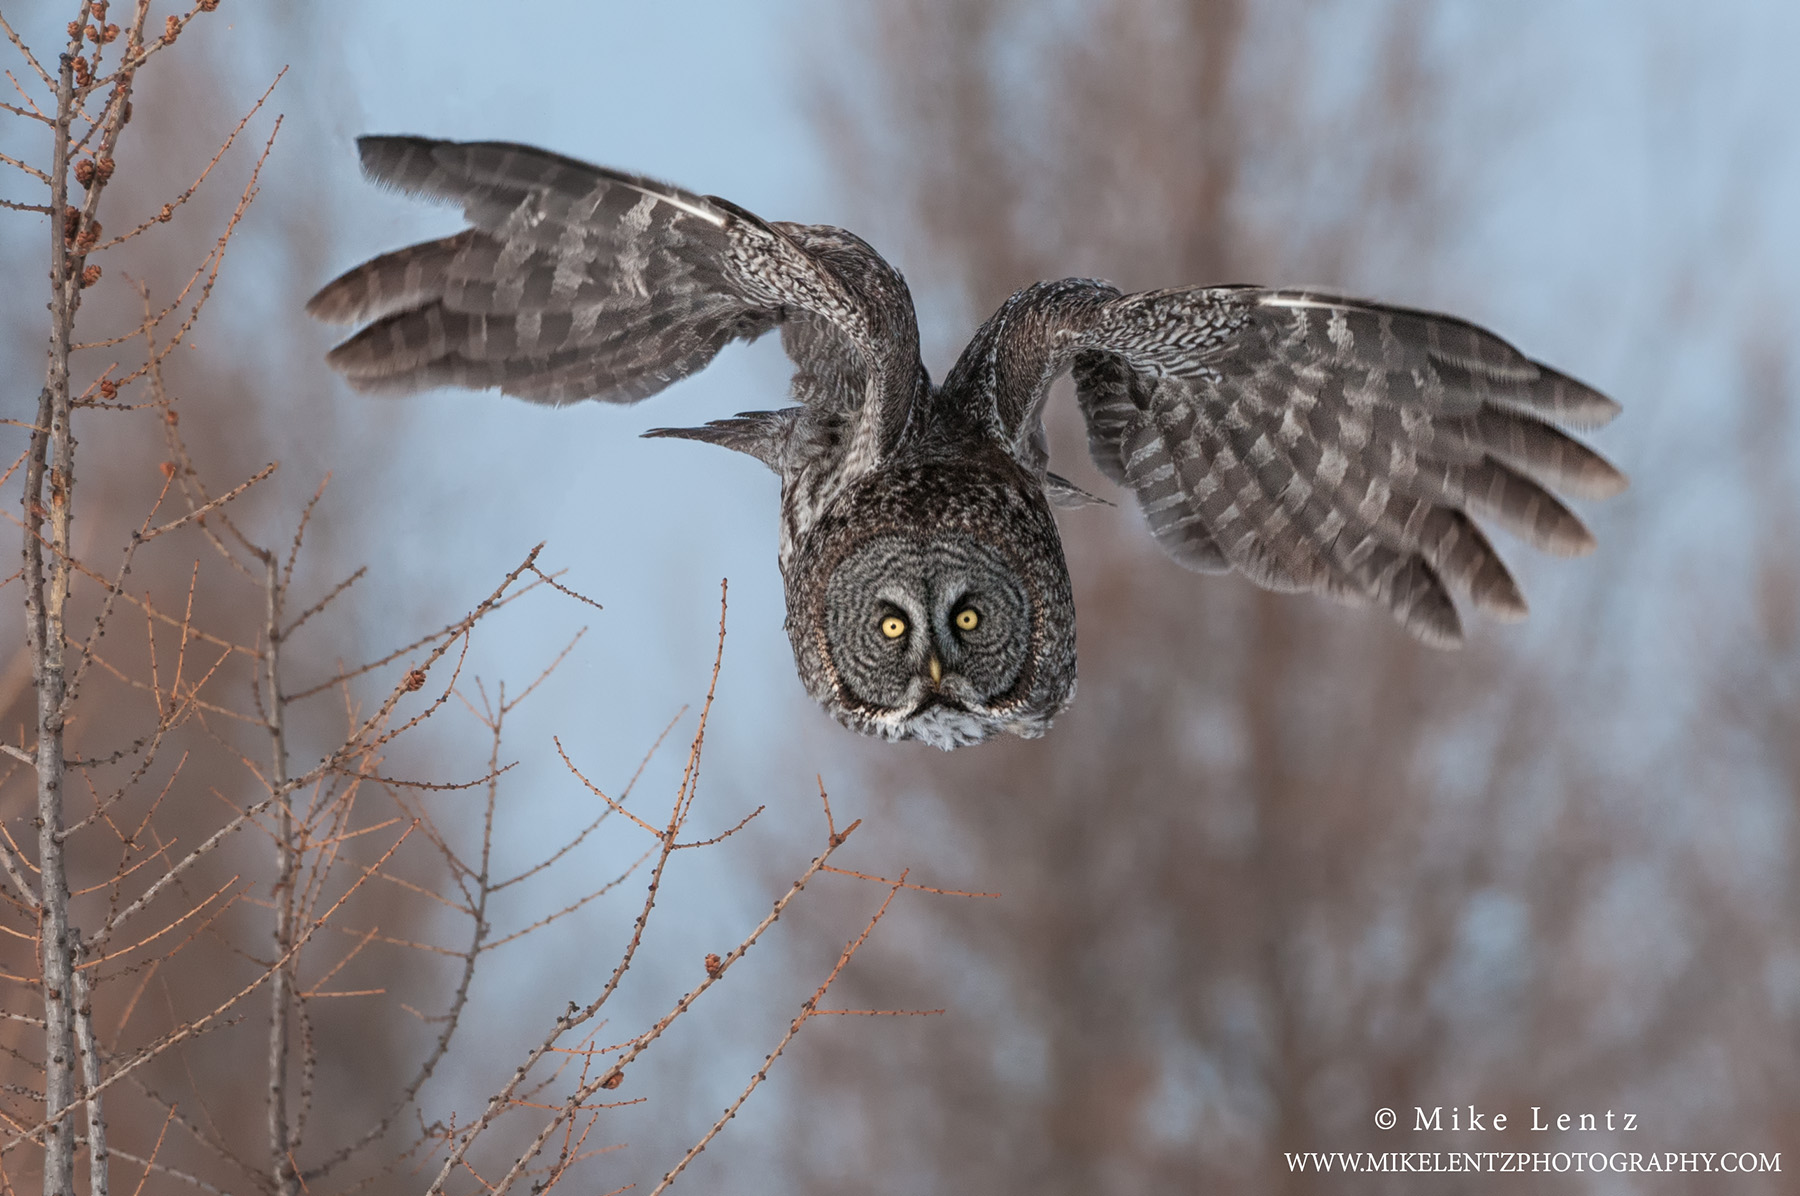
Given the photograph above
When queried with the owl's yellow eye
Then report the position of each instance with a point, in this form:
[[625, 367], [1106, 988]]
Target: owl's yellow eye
[[966, 619], [893, 627]]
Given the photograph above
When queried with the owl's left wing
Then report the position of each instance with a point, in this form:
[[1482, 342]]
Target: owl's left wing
[[1314, 442], [576, 281]]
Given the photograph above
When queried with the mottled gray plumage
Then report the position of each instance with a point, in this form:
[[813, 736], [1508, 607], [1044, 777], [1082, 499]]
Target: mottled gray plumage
[[1308, 441]]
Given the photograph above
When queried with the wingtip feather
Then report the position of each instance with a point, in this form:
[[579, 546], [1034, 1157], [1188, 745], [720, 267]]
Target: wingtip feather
[[393, 159], [1574, 541], [1444, 635], [332, 304], [1577, 404], [1605, 480]]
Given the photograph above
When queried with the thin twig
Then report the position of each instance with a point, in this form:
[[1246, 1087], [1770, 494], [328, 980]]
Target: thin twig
[[807, 1011], [168, 209], [25, 51]]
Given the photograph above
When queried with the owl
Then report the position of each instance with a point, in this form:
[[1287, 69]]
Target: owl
[[1308, 441]]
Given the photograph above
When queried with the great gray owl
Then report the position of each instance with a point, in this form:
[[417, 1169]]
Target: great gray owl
[[1309, 441]]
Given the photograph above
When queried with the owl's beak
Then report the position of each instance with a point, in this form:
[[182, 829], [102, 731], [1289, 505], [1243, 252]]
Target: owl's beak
[[937, 669]]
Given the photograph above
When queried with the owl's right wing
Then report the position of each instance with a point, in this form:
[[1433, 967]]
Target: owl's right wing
[[575, 281], [1314, 442]]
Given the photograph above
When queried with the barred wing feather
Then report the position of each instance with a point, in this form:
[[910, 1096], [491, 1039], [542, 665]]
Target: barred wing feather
[[574, 281], [1319, 443]]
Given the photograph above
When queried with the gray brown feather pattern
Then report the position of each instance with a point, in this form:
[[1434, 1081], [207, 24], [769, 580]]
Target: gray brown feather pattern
[[1309, 441], [575, 281]]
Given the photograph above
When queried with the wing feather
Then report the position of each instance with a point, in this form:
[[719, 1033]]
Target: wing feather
[[576, 281], [1308, 441]]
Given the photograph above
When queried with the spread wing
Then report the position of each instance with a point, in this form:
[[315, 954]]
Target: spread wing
[[1313, 442], [579, 282]]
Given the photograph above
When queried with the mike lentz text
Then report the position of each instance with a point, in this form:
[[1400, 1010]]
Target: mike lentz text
[[1468, 1119]]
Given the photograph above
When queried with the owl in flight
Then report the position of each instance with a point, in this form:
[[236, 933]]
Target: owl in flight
[[1306, 440]]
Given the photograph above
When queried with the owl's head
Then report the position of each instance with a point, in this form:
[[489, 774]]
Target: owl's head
[[945, 619]]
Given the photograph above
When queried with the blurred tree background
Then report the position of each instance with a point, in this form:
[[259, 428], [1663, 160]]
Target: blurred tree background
[[1278, 867]]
